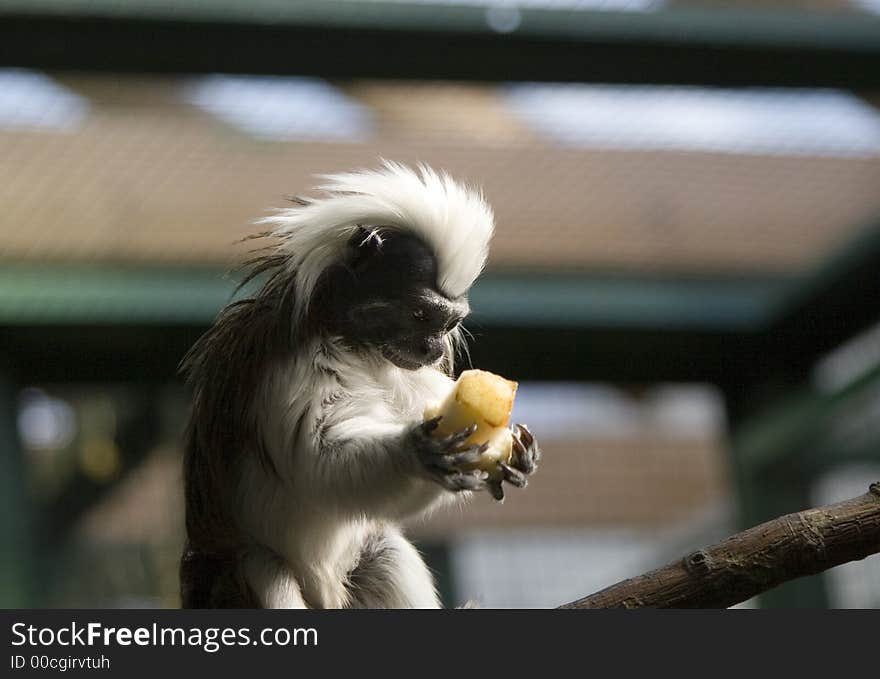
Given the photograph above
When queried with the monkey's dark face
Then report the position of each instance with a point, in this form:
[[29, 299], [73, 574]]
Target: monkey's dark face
[[385, 296]]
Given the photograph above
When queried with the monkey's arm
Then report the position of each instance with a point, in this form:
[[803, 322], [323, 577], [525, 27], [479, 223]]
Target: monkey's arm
[[369, 463]]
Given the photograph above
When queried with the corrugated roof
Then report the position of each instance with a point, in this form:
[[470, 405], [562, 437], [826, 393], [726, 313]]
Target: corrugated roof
[[148, 178]]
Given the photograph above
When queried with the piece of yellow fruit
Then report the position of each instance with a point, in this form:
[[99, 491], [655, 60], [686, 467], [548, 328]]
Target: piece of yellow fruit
[[485, 399]]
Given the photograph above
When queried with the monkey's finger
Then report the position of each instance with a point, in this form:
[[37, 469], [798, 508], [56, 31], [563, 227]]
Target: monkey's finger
[[521, 459], [476, 448], [529, 440], [458, 438], [453, 461], [452, 452], [430, 425], [513, 476], [495, 489], [465, 481], [527, 437]]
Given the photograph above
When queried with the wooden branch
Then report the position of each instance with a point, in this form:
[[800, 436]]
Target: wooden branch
[[755, 560]]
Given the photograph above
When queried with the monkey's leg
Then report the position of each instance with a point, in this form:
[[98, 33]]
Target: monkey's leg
[[391, 574], [271, 580]]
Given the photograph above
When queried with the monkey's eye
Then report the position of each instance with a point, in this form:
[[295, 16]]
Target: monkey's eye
[[419, 314]]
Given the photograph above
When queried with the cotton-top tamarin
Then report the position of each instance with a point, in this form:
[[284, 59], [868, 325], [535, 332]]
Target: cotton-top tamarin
[[306, 445]]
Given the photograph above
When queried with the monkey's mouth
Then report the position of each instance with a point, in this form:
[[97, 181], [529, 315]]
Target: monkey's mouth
[[407, 361]]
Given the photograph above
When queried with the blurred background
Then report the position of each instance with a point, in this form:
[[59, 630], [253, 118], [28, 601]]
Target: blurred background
[[685, 277]]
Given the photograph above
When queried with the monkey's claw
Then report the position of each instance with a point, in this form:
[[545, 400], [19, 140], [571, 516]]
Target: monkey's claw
[[430, 425], [526, 452], [513, 476]]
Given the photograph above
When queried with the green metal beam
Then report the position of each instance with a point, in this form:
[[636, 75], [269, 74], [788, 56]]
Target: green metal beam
[[113, 295], [345, 39], [70, 323], [33, 295], [709, 303], [708, 26]]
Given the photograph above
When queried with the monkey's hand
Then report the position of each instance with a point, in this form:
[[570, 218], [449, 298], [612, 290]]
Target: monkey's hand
[[445, 459], [523, 462]]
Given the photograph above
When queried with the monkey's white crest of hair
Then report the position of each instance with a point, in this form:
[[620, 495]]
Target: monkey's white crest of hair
[[454, 221]]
